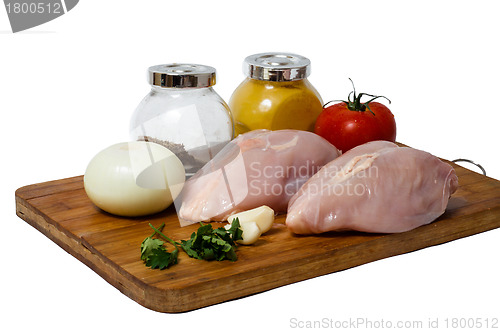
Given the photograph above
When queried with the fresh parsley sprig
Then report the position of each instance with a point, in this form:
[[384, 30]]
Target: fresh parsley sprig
[[154, 254], [213, 244], [206, 243]]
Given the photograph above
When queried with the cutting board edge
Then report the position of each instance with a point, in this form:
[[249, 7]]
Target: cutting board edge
[[30, 191], [171, 297], [117, 277], [256, 283], [180, 300]]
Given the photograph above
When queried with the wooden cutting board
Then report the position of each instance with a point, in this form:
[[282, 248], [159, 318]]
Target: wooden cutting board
[[110, 245]]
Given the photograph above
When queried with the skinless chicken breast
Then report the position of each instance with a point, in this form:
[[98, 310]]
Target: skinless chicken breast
[[375, 187], [257, 168]]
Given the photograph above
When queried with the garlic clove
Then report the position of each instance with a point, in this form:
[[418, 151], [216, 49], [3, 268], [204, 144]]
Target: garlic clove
[[263, 216], [251, 232]]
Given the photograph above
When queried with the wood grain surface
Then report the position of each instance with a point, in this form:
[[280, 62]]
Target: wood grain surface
[[110, 245]]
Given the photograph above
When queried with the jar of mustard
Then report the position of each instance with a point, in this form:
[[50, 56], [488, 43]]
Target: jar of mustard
[[275, 94]]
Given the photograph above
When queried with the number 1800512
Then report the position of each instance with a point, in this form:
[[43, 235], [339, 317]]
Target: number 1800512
[[476, 323], [34, 8]]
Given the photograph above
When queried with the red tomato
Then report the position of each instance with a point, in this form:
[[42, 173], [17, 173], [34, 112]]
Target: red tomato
[[351, 123]]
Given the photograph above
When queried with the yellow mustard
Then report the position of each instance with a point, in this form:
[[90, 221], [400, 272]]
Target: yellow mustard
[[276, 94]]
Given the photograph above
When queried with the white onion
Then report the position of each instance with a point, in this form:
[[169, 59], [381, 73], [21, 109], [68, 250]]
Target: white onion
[[134, 178]]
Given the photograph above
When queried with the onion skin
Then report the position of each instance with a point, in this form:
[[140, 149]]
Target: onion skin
[[134, 179]]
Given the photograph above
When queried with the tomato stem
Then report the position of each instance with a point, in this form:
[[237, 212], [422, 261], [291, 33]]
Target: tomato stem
[[355, 104]]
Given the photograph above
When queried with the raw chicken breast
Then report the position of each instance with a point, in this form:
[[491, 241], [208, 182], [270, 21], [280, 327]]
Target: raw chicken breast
[[375, 187], [257, 168]]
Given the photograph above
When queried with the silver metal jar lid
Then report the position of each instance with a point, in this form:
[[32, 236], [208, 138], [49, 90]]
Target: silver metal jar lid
[[181, 75], [276, 66]]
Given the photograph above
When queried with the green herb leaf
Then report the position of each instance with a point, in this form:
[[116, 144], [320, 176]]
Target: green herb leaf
[[212, 244], [235, 230], [161, 259], [154, 254], [148, 245], [206, 243], [187, 247], [231, 255]]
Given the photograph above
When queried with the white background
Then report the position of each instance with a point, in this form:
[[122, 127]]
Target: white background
[[69, 87]]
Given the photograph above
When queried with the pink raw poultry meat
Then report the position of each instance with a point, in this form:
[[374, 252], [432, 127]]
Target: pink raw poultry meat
[[376, 187], [257, 168]]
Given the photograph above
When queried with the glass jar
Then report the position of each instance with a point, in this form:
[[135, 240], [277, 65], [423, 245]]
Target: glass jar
[[275, 94], [184, 113]]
